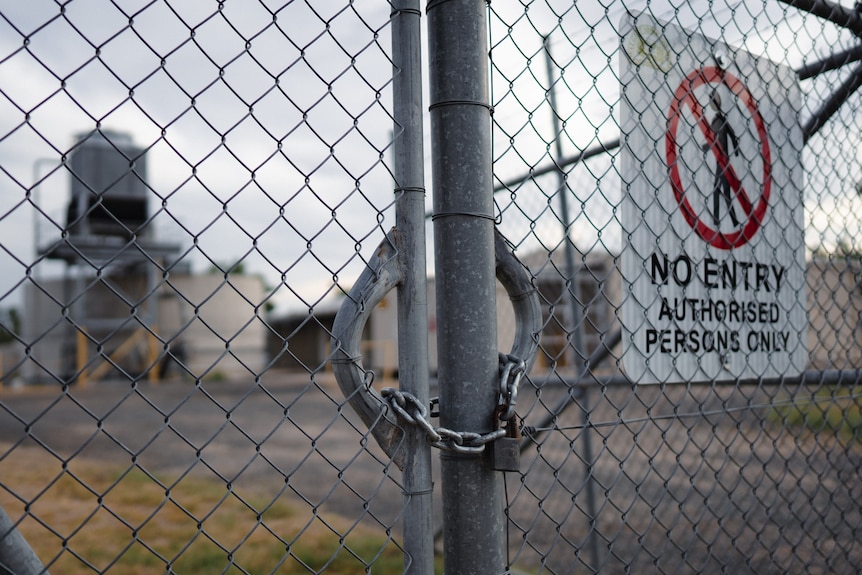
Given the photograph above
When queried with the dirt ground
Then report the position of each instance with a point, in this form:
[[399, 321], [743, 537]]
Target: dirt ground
[[661, 480]]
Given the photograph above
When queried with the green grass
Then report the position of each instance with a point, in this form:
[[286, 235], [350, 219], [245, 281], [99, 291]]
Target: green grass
[[835, 410], [89, 518]]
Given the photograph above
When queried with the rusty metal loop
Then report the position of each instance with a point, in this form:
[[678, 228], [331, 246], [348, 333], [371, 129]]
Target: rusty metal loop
[[518, 283], [382, 275]]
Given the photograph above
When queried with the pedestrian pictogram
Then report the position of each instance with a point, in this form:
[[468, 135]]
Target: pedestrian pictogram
[[718, 137], [713, 263], [728, 191]]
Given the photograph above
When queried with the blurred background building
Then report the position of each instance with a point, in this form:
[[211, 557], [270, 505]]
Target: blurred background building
[[125, 303]]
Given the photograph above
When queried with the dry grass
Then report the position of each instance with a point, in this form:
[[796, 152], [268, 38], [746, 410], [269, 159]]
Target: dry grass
[[829, 409], [86, 517]]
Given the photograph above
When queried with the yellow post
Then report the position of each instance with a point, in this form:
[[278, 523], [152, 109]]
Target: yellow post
[[153, 358], [81, 356]]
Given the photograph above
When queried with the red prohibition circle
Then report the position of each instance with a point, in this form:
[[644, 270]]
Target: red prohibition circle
[[754, 214]]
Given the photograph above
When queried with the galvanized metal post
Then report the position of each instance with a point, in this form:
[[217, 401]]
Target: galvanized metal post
[[473, 534], [16, 556], [408, 166]]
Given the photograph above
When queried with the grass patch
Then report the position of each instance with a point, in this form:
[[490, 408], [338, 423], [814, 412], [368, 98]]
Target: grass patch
[[88, 518], [832, 409]]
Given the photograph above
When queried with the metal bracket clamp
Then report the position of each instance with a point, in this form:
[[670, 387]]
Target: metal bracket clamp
[[518, 283], [384, 273]]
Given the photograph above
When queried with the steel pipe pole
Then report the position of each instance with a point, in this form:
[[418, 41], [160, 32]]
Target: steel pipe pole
[[473, 533], [16, 555], [413, 372]]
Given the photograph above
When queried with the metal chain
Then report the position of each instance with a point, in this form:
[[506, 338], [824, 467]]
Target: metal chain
[[411, 410], [512, 370]]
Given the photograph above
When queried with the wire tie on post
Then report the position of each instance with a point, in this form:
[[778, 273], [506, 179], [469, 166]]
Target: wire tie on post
[[461, 103], [417, 493], [439, 215], [410, 189], [411, 11]]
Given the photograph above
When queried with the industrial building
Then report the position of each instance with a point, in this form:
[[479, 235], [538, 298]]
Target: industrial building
[[125, 304]]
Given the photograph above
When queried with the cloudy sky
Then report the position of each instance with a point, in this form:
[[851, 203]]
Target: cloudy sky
[[264, 126], [267, 124]]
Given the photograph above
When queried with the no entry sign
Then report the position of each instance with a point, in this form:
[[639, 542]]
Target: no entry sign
[[713, 267], [684, 97]]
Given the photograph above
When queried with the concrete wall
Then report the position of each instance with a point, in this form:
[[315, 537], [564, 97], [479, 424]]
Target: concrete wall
[[216, 323]]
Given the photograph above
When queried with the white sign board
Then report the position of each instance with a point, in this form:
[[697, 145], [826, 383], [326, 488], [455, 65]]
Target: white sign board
[[713, 264]]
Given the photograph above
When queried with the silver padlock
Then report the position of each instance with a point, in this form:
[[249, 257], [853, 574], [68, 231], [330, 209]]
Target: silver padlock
[[506, 450]]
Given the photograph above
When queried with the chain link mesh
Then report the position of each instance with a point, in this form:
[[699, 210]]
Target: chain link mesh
[[191, 189], [742, 476]]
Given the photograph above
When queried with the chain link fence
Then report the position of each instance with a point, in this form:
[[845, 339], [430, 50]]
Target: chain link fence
[[194, 193], [749, 470]]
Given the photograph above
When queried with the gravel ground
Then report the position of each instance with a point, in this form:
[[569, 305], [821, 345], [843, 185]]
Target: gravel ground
[[693, 480], [680, 480]]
